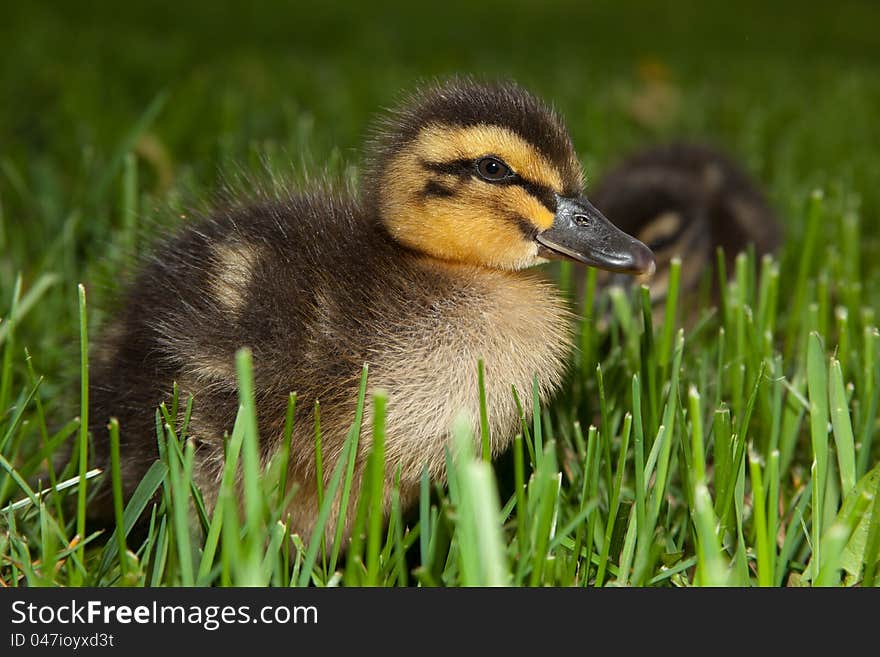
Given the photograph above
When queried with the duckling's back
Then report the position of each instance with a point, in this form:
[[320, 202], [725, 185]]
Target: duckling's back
[[686, 201], [718, 201], [252, 275]]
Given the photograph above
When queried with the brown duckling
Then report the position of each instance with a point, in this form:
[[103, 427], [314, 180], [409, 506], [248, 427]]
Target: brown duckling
[[419, 275], [686, 200]]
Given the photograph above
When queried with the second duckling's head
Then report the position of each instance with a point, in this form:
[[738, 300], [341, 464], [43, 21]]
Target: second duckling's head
[[486, 174]]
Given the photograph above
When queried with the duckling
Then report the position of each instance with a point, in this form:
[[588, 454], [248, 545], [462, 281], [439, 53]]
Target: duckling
[[686, 200], [419, 275]]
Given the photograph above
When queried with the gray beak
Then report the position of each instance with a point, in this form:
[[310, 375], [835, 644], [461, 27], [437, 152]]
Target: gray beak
[[581, 233]]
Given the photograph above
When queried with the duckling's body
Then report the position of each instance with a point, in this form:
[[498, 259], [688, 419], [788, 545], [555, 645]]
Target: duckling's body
[[319, 284], [686, 200], [312, 321]]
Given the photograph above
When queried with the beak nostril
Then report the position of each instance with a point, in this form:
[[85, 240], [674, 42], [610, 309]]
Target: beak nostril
[[582, 220]]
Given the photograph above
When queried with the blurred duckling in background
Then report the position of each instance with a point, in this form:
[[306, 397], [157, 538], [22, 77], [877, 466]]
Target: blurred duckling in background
[[467, 185], [686, 200]]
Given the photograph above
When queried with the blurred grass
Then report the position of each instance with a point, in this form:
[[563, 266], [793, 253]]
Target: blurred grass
[[112, 113]]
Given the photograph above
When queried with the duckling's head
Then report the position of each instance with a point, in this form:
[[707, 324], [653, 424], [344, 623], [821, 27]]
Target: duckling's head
[[486, 174]]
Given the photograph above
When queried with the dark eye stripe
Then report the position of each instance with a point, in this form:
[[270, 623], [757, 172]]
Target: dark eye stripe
[[526, 227], [461, 168], [465, 168], [544, 194], [434, 188]]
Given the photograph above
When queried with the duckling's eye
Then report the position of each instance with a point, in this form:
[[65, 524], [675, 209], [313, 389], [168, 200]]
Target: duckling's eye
[[493, 169]]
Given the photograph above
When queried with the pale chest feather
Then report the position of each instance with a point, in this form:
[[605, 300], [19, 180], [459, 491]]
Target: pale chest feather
[[517, 324]]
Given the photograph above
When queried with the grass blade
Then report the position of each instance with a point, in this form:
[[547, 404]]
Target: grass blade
[[484, 413], [140, 498], [84, 421], [843, 433], [817, 387]]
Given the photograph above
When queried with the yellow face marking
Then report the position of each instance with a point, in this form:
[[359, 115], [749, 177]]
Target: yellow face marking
[[529, 208], [439, 143], [477, 222], [470, 226]]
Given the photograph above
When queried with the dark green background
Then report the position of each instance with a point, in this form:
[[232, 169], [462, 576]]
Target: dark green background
[[790, 88]]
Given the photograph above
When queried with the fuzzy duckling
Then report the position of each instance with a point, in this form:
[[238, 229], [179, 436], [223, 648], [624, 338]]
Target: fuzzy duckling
[[686, 200], [419, 275]]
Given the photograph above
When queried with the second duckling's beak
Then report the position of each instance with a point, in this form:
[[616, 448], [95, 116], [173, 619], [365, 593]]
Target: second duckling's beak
[[582, 233]]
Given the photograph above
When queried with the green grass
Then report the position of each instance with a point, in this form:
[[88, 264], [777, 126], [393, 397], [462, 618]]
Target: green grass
[[728, 445]]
